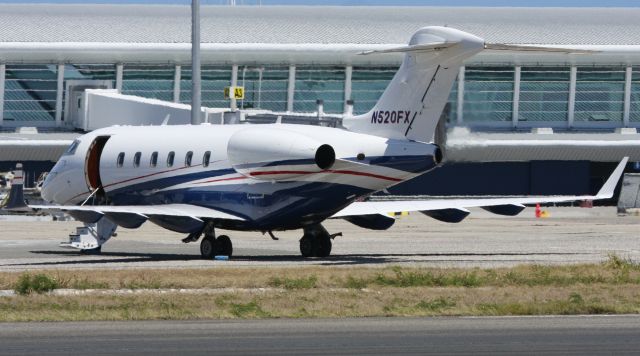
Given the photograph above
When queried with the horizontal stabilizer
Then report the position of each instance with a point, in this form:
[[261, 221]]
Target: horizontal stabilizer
[[533, 48], [423, 47]]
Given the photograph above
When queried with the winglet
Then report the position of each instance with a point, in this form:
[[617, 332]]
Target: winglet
[[609, 186]]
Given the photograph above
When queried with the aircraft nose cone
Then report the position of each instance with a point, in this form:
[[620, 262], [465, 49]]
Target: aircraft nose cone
[[47, 187]]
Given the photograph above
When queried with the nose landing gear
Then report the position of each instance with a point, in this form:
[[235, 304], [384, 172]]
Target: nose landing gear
[[316, 241]]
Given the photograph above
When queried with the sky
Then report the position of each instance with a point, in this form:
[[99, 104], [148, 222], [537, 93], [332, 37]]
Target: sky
[[518, 3]]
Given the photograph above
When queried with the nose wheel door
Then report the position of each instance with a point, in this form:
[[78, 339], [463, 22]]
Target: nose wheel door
[[92, 167]]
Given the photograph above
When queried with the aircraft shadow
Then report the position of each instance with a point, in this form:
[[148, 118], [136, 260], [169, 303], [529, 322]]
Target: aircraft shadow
[[336, 260]]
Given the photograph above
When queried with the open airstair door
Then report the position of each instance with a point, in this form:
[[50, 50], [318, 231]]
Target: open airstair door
[[92, 166]]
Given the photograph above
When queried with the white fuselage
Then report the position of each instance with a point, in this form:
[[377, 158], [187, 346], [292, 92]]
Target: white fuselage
[[250, 170]]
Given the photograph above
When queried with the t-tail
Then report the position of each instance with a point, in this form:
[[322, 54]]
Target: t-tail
[[412, 104]]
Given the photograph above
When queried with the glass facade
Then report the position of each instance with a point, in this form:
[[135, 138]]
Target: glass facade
[[155, 82], [313, 83], [544, 94], [30, 91], [488, 94], [451, 108], [367, 85], [634, 109], [599, 94], [264, 87], [213, 80]]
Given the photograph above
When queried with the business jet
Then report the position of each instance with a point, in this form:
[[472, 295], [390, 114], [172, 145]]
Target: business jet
[[194, 179]]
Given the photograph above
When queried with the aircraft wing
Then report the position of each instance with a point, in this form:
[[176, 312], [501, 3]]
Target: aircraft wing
[[178, 210], [426, 206]]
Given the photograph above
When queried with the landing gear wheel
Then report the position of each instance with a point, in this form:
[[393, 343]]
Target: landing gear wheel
[[92, 251], [207, 248], [323, 246], [307, 246], [223, 246]]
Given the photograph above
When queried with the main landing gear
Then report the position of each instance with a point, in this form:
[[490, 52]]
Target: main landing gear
[[316, 241], [211, 246]]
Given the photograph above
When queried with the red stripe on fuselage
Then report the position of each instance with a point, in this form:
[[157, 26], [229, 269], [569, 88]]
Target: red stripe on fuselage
[[132, 179], [364, 174], [221, 180]]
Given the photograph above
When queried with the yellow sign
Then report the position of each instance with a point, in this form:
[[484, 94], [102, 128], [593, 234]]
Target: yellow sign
[[238, 92]]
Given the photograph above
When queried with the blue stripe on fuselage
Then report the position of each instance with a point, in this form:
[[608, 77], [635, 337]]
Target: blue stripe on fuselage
[[406, 163], [411, 164]]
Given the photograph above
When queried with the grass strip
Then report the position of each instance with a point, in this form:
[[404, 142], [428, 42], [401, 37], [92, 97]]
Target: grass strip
[[323, 303], [614, 271], [320, 291]]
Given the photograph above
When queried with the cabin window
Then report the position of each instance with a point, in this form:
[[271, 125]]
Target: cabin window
[[170, 158], [188, 158], [136, 159], [120, 160], [206, 158], [154, 159]]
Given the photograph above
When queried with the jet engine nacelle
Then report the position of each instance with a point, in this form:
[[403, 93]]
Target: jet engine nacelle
[[269, 154]]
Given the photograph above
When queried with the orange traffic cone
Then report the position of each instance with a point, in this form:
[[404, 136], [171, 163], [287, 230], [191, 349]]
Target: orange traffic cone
[[538, 212]]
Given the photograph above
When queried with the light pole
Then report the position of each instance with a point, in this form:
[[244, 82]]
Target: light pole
[[195, 63]]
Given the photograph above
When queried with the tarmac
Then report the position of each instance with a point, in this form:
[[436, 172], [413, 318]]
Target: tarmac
[[562, 335], [567, 236]]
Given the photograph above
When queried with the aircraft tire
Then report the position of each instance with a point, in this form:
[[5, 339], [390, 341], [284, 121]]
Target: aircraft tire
[[308, 246], [207, 247], [92, 251], [223, 246], [323, 246]]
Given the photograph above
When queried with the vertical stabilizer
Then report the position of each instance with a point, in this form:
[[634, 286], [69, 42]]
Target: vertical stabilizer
[[15, 200], [412, 103]]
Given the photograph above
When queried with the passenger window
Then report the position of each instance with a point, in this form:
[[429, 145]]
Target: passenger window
[[170, 158], [120, 160], [206, 158], [188, 158], [136, 159], [154, 159]]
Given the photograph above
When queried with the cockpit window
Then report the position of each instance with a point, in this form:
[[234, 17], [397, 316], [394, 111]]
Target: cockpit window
[[72, 149]]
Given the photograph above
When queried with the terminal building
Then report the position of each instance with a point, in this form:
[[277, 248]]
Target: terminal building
[[516, 122]]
